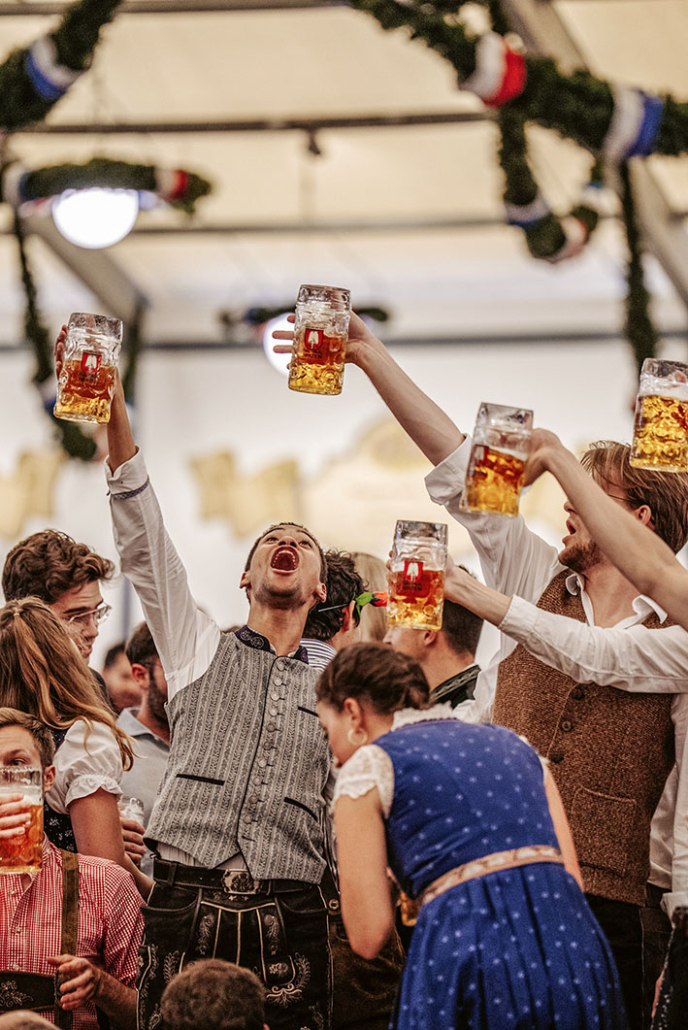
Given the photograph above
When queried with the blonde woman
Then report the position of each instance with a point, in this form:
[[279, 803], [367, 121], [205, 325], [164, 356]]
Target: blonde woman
[[373, 572], [43, 674]]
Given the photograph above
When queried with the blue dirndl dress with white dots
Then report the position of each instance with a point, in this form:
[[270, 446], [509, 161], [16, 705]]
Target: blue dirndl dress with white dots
[[516, 948]]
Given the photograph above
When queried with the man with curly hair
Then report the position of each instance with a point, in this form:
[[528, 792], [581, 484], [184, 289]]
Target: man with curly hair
[[65, 575]]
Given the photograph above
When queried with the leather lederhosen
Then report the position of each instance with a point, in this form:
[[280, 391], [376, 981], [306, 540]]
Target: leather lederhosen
[[38, 992]]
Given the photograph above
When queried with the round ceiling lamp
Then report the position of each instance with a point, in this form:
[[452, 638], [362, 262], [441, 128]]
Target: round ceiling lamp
[[95, 218], [278, 361]]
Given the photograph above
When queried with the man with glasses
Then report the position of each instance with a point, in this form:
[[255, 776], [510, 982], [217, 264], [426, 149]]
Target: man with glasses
[[65, 575]]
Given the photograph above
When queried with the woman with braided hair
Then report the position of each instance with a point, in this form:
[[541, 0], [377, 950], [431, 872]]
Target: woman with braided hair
[[42, 673], [473, 827]]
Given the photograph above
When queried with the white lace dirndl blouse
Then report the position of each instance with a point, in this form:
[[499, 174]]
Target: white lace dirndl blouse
[[85, 762]]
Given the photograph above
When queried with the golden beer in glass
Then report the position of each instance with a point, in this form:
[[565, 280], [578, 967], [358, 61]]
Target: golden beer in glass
[[87, 380], [416, 575], [501, 441], [660, 435], [320, 334], [23, 853]]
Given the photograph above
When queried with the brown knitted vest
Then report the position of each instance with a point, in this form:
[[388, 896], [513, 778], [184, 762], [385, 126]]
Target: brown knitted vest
[[610, 753]]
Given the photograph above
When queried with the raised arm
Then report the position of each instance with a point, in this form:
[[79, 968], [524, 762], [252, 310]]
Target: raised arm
[[427, 425], [635, 550], [627, 659]]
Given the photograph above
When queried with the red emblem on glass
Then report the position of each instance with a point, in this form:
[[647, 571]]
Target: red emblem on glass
[[90, 363], [414, 582], [314, 341]]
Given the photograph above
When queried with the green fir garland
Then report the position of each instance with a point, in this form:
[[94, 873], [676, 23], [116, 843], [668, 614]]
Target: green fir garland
[[107, 174], [578, 106], [75, 40]]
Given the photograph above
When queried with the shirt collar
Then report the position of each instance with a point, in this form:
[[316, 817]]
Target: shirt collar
[[130, 724], [642, 604], [251, 638]]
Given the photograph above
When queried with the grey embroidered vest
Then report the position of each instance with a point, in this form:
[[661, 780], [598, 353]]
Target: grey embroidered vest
[[248, 766]]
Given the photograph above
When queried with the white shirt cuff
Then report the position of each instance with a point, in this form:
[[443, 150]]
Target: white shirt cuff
[[131, 475], [446, 481], [520, 621], [675, 899]]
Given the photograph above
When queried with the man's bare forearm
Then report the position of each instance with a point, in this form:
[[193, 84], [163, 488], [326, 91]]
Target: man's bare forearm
[[482, 600], [121, 445], [116, 1000], [427, 425]]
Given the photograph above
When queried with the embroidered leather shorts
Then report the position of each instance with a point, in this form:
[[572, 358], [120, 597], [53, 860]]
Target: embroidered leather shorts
[[281, 935]]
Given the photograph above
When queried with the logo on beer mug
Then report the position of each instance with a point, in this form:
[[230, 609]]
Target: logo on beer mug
[[314, 340], [90, 363], [412, 582]]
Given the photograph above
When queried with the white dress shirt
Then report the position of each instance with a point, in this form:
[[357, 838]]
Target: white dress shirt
[[627, 656]]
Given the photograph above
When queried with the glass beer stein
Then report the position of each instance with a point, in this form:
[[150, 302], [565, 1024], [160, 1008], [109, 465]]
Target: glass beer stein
[[416, 575], [501, 441], [87, 380], [660, 435], [24, 852], [320, 334]]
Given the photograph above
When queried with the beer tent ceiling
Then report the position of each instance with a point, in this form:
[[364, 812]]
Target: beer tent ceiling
[[410, 217]]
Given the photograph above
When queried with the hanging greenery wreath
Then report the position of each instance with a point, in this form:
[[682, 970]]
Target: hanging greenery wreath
[[612, 123], [32, 80]]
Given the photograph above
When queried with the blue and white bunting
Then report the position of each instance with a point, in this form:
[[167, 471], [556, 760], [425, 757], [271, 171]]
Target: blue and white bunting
[[49, 78], [634, 125]]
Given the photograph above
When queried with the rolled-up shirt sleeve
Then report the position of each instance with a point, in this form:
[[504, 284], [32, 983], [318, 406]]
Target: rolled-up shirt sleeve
[[185, 637], [633, 658], [513, 559], [88, 760]]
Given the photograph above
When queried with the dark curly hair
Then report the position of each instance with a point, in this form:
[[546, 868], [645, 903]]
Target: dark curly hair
[[48, 564], [387, 680], [343, 585]]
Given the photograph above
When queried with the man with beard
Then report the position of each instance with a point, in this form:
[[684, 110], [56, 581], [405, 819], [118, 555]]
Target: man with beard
[[238, 826], [592, 689]]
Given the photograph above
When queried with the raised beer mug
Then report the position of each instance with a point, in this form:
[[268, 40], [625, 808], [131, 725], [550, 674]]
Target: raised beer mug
[[501, 441], [660, 435], [87, 380], [416, 575], [24, 852], [320, 334]]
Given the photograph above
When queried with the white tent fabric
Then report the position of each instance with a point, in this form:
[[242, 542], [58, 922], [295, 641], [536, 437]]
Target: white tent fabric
[[417, 210]]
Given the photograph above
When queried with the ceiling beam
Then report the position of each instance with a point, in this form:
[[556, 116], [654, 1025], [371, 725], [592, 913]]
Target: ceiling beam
[[543, 31], [95, 268], [301, 228], [21, 10], [315, 124]]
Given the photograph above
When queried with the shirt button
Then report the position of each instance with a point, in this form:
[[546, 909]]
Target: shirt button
[[262, 763], [556, 757], [578, 694], [275, 696], [274, 711], [17, 929], [16, 968], [566, 725]]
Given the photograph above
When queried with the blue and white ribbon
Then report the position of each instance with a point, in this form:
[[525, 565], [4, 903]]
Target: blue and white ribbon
[[13, 178], [49, 78], [527, 214], [634, 126]]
